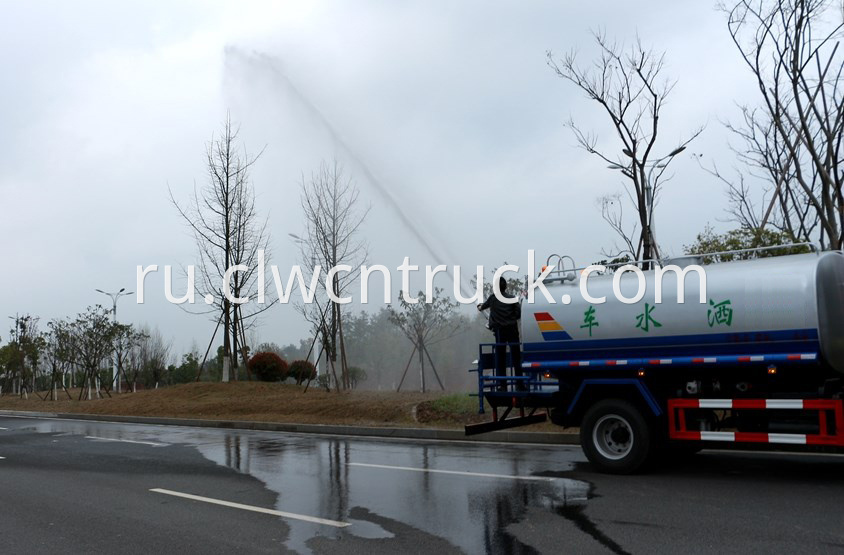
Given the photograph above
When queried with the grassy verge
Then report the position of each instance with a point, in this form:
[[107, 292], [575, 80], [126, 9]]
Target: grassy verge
[[268, 402]]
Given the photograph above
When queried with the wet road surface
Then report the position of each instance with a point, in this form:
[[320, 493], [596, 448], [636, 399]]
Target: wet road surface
[[78, 486]]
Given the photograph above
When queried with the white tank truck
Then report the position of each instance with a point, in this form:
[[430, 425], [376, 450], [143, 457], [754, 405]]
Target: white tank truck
[[760, 360]]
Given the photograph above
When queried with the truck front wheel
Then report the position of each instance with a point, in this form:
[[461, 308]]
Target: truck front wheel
[[615, 437]]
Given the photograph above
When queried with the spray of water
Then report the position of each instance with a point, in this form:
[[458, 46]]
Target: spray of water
[[266, 62]]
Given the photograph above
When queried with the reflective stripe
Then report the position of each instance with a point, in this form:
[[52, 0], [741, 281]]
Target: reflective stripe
[[784, 403], [715, 403], [797, 439], [718, 436]]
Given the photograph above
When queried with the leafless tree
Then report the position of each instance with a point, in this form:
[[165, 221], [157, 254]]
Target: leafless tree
[[228, 232], [792, 139], [612, 211], [143, 352], [629, 86], [127, 340], [424, 323], [156, 352], [333, 220]]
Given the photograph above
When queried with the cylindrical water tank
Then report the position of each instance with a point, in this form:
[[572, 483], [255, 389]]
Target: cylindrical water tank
[[776, 305]]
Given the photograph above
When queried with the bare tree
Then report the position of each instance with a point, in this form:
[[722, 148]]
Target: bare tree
[[424, 323], [612, 211], [143, 352], [793, 138], [629, 86], [333, 218], [156, 352], [228, 232]]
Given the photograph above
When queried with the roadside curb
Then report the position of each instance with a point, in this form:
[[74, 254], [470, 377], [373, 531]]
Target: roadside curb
[[547, 438]]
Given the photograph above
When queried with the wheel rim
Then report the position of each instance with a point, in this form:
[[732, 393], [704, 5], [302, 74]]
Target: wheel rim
[[613, 437]]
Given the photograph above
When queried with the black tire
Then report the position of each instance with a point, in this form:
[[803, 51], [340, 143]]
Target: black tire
[[616, 437]]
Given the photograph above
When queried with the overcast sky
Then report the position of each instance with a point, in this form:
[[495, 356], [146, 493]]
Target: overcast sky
[[449, 105]]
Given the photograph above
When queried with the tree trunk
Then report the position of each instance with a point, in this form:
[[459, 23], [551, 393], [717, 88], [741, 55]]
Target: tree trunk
[[344, 364], [334, 373], [234, 344], [419, 348], [226, 342]]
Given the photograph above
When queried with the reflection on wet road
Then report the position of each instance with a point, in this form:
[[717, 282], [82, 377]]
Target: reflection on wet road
[[326, 494], [465, 494], [322, 477]]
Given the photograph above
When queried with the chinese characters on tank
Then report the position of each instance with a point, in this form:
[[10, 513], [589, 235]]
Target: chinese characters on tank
[[589, 320], [645, 321], [720, 313]]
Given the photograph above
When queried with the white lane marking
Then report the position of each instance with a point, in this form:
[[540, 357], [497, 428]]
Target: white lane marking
[[4, 428], [252, 508], [2, 458], [457, 472], [154, 444]]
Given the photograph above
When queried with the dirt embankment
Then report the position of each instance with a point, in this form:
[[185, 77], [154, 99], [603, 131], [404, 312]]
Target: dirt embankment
[[268, 402]]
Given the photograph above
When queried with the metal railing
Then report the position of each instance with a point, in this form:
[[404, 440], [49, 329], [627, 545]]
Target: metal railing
[[563, 274]]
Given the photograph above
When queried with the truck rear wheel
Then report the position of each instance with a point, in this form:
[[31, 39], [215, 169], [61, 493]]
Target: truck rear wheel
[[615, 437]]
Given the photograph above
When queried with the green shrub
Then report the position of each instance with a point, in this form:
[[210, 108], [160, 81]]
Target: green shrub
[[356, 375], [324, 381], [302, 371]]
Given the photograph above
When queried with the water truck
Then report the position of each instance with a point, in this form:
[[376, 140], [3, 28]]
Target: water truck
[[758, 359]]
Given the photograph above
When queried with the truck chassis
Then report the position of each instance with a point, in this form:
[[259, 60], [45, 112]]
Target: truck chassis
[[633, 411]]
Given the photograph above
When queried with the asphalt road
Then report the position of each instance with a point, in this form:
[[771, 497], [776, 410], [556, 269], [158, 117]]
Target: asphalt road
[[84, 487]]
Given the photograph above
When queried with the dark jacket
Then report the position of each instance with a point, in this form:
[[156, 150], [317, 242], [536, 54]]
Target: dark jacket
[[502, 314]]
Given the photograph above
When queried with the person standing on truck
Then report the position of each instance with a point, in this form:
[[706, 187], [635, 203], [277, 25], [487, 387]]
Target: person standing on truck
[[504, 323]]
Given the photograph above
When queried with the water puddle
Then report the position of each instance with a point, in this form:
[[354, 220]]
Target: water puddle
[[396, 496]]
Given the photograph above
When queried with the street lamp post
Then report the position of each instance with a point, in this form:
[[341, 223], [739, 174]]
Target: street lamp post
[[661, 164], [115, 375]]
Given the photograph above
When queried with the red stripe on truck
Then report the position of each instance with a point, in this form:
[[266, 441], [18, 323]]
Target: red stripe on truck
[[820, 404], [753, 437]]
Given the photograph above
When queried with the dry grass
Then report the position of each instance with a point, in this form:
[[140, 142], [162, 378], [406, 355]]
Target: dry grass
[[268, 402]]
